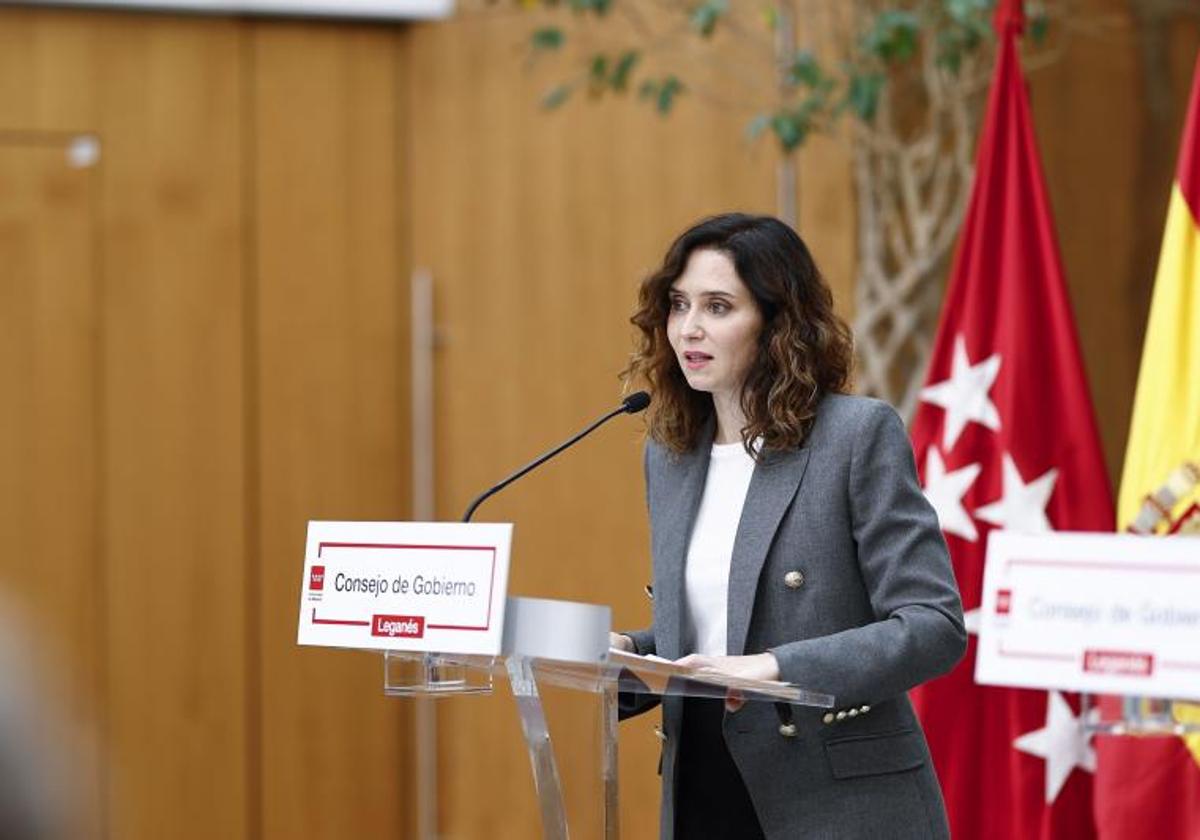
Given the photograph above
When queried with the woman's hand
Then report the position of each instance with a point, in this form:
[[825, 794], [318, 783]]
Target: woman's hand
[[620, 642], [759, 666]]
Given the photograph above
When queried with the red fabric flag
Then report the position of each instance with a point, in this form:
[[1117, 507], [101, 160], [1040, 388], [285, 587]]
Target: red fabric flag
[[1005, 437]]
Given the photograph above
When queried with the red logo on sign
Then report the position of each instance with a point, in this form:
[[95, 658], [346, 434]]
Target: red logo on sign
[[404, 626], [1003, 601], [316, 578], [1125, 663]]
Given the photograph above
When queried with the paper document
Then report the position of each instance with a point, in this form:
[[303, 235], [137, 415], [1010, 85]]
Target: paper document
[[656, 672]]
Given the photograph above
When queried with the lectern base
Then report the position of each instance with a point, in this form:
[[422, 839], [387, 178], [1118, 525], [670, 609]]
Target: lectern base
[[435, 675]]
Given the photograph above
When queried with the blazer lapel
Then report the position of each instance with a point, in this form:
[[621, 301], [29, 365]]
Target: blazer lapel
[[687, 474], [772, 488]]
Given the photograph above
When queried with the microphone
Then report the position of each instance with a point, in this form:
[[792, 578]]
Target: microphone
[[632, 404]]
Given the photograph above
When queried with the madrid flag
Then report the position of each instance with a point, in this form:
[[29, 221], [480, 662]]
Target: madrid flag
[[1151, 786], [1005, 438]]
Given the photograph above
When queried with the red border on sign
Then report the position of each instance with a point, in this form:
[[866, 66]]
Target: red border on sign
[[1179, 666], [1106, 565], [1102, 565], [344, 621], [491, 577], [1166, 665], [1029, 654]]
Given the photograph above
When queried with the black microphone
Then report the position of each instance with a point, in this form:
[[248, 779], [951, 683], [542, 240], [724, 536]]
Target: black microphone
[[632, 404]]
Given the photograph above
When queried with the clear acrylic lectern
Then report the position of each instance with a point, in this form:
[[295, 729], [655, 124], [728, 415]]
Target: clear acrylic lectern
[[565, 644]]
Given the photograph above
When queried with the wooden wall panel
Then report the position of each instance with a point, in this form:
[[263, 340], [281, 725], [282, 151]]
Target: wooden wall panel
[[330, 370], [1109, 128], [47, 70], [1094, 94], [173, 418], [50, 569], [249, 236]]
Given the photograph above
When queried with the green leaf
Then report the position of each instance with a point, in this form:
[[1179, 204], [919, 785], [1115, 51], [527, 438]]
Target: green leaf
[[706, 14], [893, 36], [788, 129], [547, 38], [597, 7], [964, 33], [756, 126], [949, 50], [862, 94], [597, 74], [805, 70], [619, 79], [770, 16], [670, 88], [663, 92], [969, 24], [556, 97], [1039, 26], [971, 13]]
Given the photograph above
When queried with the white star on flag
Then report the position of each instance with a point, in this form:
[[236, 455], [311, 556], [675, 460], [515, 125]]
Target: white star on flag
[[972, 619], [964, 395], [1061, 742], [1023, 506], [945, 491]]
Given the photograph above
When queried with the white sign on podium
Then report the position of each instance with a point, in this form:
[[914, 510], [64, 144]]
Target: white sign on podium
[[1099, 613], [408, 586]]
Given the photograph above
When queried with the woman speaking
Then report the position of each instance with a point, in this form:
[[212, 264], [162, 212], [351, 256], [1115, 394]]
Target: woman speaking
[[790, 541]]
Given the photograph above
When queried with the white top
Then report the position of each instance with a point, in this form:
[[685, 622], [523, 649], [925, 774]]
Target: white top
[[706, 578]]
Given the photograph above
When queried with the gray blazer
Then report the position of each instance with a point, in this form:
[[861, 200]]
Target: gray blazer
[[839, 569]]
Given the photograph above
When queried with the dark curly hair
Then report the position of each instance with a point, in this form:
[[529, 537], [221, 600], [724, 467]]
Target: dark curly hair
[[804, 350]]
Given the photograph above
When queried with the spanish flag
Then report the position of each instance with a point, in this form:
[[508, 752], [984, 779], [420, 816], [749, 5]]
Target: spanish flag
[[1150, 786]]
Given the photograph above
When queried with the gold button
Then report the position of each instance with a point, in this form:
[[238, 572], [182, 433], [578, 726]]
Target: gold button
[[828, 718], [659, 734], [793, 579], [841, 715], [787, 730]]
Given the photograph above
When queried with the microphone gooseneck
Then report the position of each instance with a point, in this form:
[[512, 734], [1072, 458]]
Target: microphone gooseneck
[[632, 404]]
